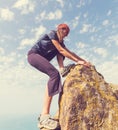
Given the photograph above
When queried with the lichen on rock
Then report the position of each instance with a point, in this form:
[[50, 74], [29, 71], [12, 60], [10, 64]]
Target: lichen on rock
[[88, 102]]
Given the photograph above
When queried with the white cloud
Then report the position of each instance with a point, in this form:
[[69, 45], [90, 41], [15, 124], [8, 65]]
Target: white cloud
[[6, 14], [30, 41], [22, 31], [105, 22], [61, 2], [25, 6], [112, 39], [109, 13], [41, 16], [75, 21], [85, 15], [101, 51], [87, 28], [21, 88], [1, 50], [81, 3], [115, 58], [114, 26], [6, 59], [109, 69], [4, 37], [57, 14], [39, 31], [81, 45], [26, 42]]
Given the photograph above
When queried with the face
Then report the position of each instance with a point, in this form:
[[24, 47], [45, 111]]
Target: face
[[64, 32]]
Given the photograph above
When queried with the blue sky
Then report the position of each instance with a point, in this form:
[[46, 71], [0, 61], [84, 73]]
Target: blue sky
[[93, 36]]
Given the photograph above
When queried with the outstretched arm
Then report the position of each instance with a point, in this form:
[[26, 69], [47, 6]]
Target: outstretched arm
[[65, 52], [80, 60]]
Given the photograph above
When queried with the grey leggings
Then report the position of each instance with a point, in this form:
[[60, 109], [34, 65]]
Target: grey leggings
[[43, 65]]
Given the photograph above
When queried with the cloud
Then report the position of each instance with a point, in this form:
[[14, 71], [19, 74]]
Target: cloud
[[81, 45], [109, 69], [26, 42], [105, 22], [25, 6], [22, 31], [57, 14], [101, 51], [39, 31], [4, 60], [87, 28], [61, 2], [115, 58], [81, 3], [30, 41], [75, 22], [21, 88], [85, 15], [112, 39], [6, 14], [109, 13], [1, 50]]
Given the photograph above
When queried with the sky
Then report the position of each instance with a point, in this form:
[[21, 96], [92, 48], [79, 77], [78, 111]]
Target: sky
[[93, 36]]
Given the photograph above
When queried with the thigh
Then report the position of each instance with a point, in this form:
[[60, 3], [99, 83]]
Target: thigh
[[40, 63]]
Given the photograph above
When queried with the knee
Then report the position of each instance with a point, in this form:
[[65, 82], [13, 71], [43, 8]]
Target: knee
[[55, 74]]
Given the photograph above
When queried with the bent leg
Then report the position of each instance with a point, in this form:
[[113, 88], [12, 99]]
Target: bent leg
[[43, 65]]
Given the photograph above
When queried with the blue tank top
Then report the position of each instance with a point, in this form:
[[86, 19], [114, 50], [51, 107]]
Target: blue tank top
[[45, 47]]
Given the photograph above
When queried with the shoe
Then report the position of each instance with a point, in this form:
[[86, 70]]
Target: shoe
[[45, 121], [66, 70]]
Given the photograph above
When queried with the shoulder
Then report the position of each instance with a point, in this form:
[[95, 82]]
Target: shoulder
[[53, 35]]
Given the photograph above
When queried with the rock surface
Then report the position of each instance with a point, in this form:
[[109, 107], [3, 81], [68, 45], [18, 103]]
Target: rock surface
[[88, 102]]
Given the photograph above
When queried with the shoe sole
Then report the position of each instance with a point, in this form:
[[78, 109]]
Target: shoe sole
[[42, 126], [68, 70]]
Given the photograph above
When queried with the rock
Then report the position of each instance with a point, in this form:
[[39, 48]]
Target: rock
[[50, 129], [88, 102]]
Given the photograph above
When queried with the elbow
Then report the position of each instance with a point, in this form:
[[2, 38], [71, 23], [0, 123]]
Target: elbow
[[62, 51]]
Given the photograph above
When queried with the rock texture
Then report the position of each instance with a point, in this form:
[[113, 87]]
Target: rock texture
[[88, 102]]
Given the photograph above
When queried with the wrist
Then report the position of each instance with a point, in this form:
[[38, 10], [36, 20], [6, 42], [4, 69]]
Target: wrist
[[81, 62]]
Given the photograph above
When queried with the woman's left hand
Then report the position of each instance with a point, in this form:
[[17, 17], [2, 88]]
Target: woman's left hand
[[88, 64]]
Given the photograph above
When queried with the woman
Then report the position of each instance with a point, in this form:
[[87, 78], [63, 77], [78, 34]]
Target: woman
[[40, 55]]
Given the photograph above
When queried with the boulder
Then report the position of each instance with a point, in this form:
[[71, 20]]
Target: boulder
[[88, 102]]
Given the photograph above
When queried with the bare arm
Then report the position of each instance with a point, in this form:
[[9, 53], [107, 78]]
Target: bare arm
[[64, 51], [79, 58]]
